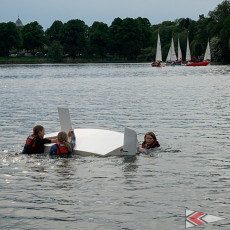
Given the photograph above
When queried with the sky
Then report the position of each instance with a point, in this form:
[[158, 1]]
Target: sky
[[45, 12]]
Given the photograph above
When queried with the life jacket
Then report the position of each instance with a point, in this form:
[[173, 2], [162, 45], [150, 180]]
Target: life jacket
[[31, 140], [154, 145], [61, 148]]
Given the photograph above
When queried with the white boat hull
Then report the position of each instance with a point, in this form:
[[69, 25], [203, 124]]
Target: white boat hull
[[97, 142]]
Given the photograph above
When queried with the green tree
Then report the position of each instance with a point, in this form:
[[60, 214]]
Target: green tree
[[146, 32], [55, 51], [202, 34], [131, 36], [184, 23], [55, 31], [33, 36], [192, 29], [196, 48], [116, 40], [216, 50], [147, 54], [99, 38], [219, 26], [9, 38], [221, 12], [126, 37], [225, 39], [74, 37]]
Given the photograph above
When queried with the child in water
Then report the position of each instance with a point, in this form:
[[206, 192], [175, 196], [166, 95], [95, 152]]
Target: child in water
[[35, 142], [150, 141], [63, 146]]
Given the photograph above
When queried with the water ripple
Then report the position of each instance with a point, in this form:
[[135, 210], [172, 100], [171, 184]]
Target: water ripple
[[187, 108]]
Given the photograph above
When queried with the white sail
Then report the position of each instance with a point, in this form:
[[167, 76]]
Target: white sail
[[207, 55], [171, 54], [179, 51], [188, 54], [158, 53]]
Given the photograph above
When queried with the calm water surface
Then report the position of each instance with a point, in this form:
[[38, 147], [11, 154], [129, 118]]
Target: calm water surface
[[187, 107]]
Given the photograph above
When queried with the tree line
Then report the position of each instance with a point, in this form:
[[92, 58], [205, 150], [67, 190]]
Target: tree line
[[125, 39]]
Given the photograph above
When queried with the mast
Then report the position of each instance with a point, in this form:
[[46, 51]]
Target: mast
[[188, 54]]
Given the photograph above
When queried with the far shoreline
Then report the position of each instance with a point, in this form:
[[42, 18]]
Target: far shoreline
[[45, 60]]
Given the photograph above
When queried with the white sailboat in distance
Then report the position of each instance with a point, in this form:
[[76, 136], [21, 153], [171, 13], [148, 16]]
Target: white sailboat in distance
[[158, 58], [206, 60], [171, 57]]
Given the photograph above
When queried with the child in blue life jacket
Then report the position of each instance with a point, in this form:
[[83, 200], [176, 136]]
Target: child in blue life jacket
[[150, 142], [63, 146], [35, 142]]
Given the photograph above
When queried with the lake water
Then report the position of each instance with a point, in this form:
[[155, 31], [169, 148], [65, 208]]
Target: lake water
[[188, 108]]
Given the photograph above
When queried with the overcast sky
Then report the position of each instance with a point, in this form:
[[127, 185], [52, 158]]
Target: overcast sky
[[45, 12]]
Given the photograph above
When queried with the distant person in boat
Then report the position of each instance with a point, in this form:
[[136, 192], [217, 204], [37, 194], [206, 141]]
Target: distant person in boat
[[194, 58], [156, 63], [35, 142], [150, 142], [63, 148]]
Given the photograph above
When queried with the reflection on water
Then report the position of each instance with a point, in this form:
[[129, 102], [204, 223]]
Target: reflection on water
[[130, 165], [187, 108]]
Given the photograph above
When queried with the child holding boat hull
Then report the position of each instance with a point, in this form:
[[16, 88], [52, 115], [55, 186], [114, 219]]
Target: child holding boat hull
[[35, 142], [63, 148]]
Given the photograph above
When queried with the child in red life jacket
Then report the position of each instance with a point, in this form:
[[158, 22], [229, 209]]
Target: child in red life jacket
[[63, 146], [35, 142], [150, 141]]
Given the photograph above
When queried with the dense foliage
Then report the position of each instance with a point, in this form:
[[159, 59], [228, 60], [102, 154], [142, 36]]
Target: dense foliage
[[125, 39], [9, 38]]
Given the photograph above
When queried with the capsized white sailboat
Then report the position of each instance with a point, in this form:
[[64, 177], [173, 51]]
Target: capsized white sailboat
[[171, 57], [98, 142], [158, 58]]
